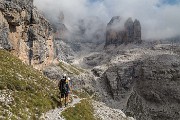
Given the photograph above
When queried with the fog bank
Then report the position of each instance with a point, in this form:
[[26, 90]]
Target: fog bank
[[159, 18]]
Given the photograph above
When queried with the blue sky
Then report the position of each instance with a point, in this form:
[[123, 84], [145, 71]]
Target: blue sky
[[171, 2], [95, 0]]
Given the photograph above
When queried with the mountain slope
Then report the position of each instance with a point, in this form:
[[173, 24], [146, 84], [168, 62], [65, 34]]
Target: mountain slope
[[24, 92], [141, 80]]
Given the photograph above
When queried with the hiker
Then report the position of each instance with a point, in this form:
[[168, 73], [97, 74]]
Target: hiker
[[64, 89], [60, 85], [69, 89]]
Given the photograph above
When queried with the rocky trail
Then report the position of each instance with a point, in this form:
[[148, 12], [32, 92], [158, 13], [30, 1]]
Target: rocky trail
[[100, 111], [106, 113], [55, 113]]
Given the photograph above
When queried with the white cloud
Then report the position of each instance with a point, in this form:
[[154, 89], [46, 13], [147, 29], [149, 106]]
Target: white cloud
[[158, 20]]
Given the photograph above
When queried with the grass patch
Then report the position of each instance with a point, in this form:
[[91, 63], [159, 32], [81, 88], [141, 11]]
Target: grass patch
[[81, 94], [63, 67], [77, 68], [81, 111], [70, 69], [32, 93]]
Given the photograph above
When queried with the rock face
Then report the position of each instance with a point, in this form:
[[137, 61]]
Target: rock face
[[25, 32], [118, 33], [120, 80], [63, 51], [148, 89], [137, 31], [156, 93]]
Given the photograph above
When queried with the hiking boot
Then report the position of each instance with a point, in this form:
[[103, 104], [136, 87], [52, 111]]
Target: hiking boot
[[60, 105], [66, 104]]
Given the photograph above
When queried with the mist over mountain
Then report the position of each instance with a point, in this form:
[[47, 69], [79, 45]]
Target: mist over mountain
[[159, 18]]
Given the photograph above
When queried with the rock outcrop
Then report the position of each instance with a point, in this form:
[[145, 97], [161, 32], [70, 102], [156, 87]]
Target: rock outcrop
[[25, 32], [148, 89], [123, 33], [63, 50], [120, 80], [156, 93], [105, 113], [137, 31]]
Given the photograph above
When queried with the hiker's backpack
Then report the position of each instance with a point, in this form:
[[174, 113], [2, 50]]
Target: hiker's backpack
[[63, 86]]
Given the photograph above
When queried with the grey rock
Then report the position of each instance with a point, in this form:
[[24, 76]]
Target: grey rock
[[53, 72], [115, 20], [119, 80], [106, 113], [97, 72], [118, 33], [22, 26], [137, 31], [95, 60], [114, 32], [4, 43], [63, 50], [156, 93], [129, 27]]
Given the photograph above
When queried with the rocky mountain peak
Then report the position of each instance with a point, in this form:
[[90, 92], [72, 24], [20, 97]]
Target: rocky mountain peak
[[114, 20], [129, 28], [137, 31], [118, 33], [129, 21], [136, 22]]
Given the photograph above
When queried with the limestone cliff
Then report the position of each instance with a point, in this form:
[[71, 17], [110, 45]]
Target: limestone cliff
[[123, 33], [156, 91], [147, 89], [26, 33]]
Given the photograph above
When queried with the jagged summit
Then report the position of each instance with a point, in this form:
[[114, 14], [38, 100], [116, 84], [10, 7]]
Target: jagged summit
[[137, 31], [129, 28], [119, 33], [115, 20]]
